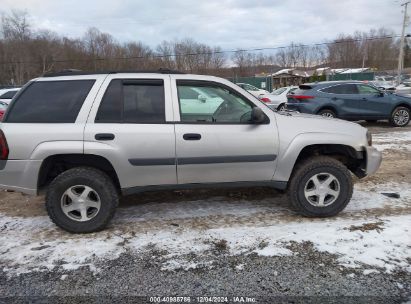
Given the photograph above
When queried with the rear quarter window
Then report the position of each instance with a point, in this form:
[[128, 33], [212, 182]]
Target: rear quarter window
[[50, 102], [8, 95]]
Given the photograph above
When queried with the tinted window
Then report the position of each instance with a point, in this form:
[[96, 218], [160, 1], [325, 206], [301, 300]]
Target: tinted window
[[133, 101], [341, 89], [50, 102], [111, 107], [216, 104], [8, 95], [365, 89]]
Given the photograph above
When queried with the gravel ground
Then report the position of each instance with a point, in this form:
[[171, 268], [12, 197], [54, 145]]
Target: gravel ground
[[306, 275]]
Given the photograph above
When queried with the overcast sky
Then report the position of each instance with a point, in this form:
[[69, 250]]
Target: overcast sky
[[230, 24]]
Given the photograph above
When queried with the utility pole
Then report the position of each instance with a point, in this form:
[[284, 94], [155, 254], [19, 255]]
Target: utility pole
[[401, 55]]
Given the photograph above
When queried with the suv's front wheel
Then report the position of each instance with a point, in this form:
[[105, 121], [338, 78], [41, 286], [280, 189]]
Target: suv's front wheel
[[320, 187], [81, 200]]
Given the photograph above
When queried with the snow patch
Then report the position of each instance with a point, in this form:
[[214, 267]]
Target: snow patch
[[370, 271], [392, 141]]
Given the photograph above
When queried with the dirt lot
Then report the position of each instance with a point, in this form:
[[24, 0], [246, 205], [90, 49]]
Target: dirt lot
[[243, 242]]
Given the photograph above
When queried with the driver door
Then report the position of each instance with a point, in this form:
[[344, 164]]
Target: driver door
[[373, 104], [215, 140]]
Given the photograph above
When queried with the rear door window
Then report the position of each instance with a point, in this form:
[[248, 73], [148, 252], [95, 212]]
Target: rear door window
[[50, 102], [341, 89], [133, 101]]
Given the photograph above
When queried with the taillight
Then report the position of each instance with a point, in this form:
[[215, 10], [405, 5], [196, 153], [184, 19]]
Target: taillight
[[4, 149], [300, 97], [1, 115], [265, 99]]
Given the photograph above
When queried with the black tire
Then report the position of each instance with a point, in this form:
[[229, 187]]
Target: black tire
[[90, 177], [327, 113], [398, 122], [301, 177], [371, 120]]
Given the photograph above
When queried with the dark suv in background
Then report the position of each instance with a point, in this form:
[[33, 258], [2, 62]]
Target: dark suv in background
[[350, 100]]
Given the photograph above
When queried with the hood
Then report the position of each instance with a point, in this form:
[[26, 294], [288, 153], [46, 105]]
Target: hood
[[297, 123]]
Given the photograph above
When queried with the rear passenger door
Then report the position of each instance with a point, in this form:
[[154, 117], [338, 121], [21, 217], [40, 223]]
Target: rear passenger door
[[132, 128]]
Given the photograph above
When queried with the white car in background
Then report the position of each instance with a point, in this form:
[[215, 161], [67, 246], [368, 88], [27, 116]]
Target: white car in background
[[6, 95], [197, 101], [252, 89], [278, 98], [404, 88], [384, 82]]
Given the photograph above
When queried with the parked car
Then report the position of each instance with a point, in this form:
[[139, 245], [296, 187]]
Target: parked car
[[252, 89], [6, 95], [277, 100], [3, 107], [386, 82], [85, 139], [351, 101], [403, 88]]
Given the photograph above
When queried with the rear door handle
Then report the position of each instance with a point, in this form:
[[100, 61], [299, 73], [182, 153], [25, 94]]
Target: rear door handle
[[105, 136], [192, 136], [334, 98], [364, 98]]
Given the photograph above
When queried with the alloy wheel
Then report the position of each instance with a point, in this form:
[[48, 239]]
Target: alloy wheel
[[80, 203], [322, 189], [401, 117]]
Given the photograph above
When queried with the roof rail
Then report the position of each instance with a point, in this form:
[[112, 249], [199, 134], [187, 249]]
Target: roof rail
[[74, 72]]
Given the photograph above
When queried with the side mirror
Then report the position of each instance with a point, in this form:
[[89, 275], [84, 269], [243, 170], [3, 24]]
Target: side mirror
[[202, 98], [257, 115]]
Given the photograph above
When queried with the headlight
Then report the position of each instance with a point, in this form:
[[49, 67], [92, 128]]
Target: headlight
[[369, 138]]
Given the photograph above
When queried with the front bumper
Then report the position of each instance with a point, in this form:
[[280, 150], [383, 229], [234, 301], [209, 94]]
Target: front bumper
[[373, 158]]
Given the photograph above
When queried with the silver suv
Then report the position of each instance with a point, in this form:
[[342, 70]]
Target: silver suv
[[85, 139]]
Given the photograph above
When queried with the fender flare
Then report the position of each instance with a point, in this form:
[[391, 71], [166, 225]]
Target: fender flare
[[289, 154]]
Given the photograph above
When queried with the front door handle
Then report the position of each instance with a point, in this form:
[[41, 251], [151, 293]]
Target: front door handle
[[364, 98], [192, 136], [334, 98], [104, 136]]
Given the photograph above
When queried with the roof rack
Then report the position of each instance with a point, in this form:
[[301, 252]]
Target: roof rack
[[74, 72]]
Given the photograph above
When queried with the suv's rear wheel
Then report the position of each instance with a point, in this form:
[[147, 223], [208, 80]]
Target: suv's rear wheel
[[81, 200], [327, 113], [400, 117], [320, 187]]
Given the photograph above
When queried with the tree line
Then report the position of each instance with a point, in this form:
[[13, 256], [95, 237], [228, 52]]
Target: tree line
[[26, 53]]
